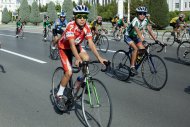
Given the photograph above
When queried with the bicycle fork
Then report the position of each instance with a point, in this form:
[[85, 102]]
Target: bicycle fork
[[94, 92], [151, 65]]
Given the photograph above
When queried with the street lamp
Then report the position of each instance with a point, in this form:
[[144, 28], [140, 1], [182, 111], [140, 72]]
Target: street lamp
[[128, 15]]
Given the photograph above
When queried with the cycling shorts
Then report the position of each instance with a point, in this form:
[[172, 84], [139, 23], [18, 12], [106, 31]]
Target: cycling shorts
[[57, 31], [129, 40], [174, 25], [66, 57]]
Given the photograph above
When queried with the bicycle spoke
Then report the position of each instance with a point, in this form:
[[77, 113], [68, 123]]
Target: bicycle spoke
[[99, 112], [154, 72], [121, 65], [183, 52]]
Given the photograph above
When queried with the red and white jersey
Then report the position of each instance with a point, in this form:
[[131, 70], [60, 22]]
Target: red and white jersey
[[72, 31]]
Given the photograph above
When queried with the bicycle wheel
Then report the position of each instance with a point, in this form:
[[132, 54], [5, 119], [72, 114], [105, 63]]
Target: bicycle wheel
[[21, 34], [155, 32], [168, 38], [56, 81], [121, 65], [183, 52], [185, 37], [97, 111], [154, 72], [54, 52], [103, 43], [116, 35]]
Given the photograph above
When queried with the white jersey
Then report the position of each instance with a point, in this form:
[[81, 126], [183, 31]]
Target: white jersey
[[139, 24]]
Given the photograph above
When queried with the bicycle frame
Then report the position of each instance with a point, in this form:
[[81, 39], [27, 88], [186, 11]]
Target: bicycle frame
[[87, 77]]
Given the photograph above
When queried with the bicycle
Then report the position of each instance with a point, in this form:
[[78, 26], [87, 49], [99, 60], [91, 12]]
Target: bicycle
[[47, 37], [145, 32], [20, 32], [94, 96], [183, 52], [101, 41], [170, 38], [152, 66], [116, 34]]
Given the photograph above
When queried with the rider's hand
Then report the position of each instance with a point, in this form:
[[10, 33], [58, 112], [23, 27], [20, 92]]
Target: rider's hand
[[77, 61], [102, 60]]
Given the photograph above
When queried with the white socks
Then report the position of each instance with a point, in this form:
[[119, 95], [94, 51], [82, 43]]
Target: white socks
[[61, 90]]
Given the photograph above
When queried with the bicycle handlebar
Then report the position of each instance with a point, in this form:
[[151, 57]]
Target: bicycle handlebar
[[159, 43], [86, 63]]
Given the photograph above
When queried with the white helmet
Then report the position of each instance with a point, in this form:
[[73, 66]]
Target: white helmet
[[141, 9], [80, 9], [181, 15]]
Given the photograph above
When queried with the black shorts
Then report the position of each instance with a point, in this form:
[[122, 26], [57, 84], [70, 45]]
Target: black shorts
[[174, 25], [56, 31]]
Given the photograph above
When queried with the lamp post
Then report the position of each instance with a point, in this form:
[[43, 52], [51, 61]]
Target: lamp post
[[120, 8], [128, 15]]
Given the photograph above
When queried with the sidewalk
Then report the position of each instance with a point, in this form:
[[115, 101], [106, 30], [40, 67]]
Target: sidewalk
[[28, 28]]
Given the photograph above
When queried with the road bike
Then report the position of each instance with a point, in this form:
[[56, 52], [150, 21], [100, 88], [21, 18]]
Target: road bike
[[94, 96], [117, 35], [169, 37], [183, 52], [20, 32], [153, 69], [101, 41], [47, 36]]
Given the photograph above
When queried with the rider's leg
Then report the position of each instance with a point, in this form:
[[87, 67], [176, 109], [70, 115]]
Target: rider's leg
[[45, 32], [66, 60]]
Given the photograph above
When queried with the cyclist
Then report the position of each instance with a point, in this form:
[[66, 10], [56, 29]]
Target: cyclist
[[95, 25], [46, 24], [121, 24], [114, 22], [58, 28], [175, 23], [18, 26], [70, 45], [133, 36]]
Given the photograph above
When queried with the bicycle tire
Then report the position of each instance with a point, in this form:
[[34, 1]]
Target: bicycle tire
[[185, 37], [54, 53], [56, 81], [167, 38], [155, 31], [151, 68], [121, 65], [21, 34], [103, 43], [97, 114], [183, 52], [116, 35]]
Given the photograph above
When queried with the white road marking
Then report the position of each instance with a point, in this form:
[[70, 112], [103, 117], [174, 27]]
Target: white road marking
[[23, 56], [7, 35]]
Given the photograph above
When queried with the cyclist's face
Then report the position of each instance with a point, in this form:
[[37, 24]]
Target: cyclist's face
[[141, 15], [81, 19], [62, 18]]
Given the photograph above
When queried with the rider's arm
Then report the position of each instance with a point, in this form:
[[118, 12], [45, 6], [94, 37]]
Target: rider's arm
[[150, 31], [139, 33], [73, 49], [93, 48]]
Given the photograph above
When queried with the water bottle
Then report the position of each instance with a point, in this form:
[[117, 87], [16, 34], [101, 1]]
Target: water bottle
[[77, 84]]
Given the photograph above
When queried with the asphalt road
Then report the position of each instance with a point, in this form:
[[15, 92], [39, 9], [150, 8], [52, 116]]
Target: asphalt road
[[25, 89]]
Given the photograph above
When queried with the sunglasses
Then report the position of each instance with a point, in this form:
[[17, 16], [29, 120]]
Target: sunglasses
[[142, 13], [80, 16]]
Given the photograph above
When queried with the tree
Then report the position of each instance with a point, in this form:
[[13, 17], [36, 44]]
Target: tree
[[24, 11], [108, 11], [58, 8], [159, 16], [51, 12], [68, 9], [134, 4], [35, 14], [6, 18], [93, 13]]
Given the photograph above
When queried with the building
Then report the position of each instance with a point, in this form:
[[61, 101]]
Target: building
[[179, 5]]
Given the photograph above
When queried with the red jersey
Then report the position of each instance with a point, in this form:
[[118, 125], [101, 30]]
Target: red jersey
[[72, 31]]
